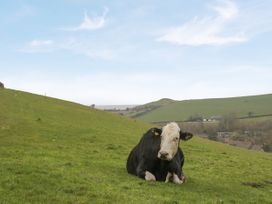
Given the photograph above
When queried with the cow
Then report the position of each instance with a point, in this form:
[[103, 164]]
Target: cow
[[157, 156]]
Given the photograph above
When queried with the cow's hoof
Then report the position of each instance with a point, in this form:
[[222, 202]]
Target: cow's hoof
[[169, 177], [183, 178], [149, 176], [176, 179]]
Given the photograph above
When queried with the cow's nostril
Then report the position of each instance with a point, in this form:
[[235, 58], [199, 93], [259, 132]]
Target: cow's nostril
[[164, 154]]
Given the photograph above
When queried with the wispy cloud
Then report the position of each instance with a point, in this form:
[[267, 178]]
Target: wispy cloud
[[207, 30], [91, 23], [36, 43], [228, 10], [72, 45], [87, 49], [37, 46]]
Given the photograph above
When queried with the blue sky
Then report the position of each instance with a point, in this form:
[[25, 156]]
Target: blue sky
[[133, 52]]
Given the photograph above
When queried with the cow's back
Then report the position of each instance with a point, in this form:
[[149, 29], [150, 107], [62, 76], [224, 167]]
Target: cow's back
[[132, 161]]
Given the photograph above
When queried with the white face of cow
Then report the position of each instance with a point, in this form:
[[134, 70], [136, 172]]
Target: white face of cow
[[169, 141]]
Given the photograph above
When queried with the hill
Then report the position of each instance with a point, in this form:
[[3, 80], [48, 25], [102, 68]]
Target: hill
[[183, 110], [54, 151], [146, 108]]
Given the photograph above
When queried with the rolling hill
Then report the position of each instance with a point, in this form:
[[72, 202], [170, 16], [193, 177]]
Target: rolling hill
[[182, 110], [54, 151], [143, 109]]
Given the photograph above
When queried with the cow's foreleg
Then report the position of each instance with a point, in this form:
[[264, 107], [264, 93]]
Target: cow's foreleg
[[169, 177], [182, 177], [149, 176], [176, 179], [173, 177], [146, 175], [143, 173]]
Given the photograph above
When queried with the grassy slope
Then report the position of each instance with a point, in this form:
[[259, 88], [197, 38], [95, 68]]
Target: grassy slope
[[161, 102], [182, 110], [143, 109], [74, 154]]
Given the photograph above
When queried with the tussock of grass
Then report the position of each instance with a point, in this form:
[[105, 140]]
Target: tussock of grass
[[53, 151]]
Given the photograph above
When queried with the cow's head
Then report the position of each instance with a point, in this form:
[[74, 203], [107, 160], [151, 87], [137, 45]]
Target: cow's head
[[170, 137]]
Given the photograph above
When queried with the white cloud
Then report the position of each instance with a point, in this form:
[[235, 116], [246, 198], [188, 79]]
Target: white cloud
[[72, 45], [207, 30], [36, 43], [87, 49], [91, 23], [227, 10], [37, 46]]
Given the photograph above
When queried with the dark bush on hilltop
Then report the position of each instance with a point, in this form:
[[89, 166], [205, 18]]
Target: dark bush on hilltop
[[195, 118], [1, 85]]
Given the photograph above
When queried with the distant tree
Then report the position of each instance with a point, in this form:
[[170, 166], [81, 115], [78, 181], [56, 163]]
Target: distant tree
[[267, 147], [2, 85], [212, 137], [92, 106], [250, 114], [195, 118], [228, 122]]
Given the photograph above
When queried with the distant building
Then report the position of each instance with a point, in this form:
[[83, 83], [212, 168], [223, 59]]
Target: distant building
[[2, 85], [215, 118]]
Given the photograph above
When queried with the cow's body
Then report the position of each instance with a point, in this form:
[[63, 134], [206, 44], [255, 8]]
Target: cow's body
[[144, 158]]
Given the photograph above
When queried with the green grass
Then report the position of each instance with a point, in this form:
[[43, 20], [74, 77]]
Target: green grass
[[182, 110], [257, 119], [143, 109], [53, 151]]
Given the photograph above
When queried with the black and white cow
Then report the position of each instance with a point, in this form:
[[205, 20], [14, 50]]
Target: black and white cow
[[157, 156]]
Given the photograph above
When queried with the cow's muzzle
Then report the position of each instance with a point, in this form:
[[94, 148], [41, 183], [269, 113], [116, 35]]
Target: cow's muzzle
[[163, 155]]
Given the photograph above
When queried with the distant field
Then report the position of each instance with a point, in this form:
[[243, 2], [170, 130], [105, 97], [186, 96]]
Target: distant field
[[182, 110], [54, 151], [257, 119]]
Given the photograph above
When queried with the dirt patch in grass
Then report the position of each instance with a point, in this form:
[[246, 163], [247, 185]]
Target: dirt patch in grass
[[268, 182], [254, 184]]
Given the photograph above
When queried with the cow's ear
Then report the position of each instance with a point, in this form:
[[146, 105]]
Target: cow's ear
[[185, 135], [156, 131]]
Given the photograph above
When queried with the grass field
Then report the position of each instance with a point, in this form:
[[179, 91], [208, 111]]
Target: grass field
[[53, 151], [257, 119], [182, 110]]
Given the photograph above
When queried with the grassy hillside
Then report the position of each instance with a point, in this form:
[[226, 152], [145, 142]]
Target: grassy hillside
[[182, 110], [143, 109], [53, 151]]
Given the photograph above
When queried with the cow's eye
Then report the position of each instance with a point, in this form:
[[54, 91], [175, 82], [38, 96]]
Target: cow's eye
[[176, 138]]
